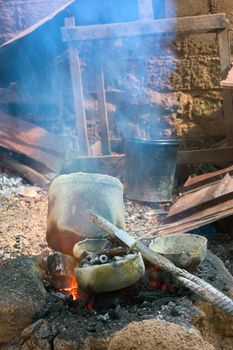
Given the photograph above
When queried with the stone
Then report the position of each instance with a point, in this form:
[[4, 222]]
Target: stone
[[37, 336], [202, 44], [205, 72], [159, 335], [168, 74], [63, 344], [22, 295], [215, 325]]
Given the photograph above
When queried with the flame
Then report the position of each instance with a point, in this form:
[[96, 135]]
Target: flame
[[72, 289]]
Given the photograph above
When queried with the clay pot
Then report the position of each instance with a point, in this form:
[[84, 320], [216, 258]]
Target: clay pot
[[110, 276], [71, 198], [185, 250]]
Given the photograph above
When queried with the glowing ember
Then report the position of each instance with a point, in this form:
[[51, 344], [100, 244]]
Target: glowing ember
[[89, 305], [164, 286], [153, 282]]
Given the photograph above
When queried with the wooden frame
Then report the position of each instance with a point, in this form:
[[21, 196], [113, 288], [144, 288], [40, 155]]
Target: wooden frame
[[146, 25], [182, 25]]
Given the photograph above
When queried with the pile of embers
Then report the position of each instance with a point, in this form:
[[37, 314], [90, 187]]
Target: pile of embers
[[87, 320], [69, 318]]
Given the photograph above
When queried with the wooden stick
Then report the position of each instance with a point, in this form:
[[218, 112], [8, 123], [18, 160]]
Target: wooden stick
[[196, 284], [112, 252], [27, 173]]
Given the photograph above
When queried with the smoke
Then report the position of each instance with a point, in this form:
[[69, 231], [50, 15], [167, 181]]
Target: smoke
[[134, 67]]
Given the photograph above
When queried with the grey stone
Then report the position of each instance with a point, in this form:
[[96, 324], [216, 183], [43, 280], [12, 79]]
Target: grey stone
[[22, 295]]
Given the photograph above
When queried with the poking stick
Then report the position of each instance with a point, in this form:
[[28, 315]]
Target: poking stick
[[196, 284]]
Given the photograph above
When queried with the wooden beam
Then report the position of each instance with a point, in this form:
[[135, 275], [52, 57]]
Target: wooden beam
[[224, 52], [23, 170], [77, 88], [225, 63], [217, 155], [103, 114], [228, 115], [145, 9], [182, 25]]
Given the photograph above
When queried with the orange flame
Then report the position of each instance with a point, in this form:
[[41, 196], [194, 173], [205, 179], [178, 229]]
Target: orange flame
[[72, 289]]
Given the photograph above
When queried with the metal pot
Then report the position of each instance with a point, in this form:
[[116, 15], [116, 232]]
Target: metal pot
[[150, 169]]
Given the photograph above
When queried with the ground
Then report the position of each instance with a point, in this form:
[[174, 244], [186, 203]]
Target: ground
[[24, 219], [23, 222]]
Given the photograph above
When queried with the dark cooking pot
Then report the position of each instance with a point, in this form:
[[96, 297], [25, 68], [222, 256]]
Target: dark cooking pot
[[150, 169]]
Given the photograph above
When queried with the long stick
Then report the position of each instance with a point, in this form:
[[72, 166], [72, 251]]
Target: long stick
[[197, 285]]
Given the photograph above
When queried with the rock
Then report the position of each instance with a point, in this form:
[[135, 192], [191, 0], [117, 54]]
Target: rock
[[159, 335], [29, 191], [22, 295], [215, 325], [37, 336], [62, 344]]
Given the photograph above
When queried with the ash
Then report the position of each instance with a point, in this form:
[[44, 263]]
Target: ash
[[10, 184], [111, 312]]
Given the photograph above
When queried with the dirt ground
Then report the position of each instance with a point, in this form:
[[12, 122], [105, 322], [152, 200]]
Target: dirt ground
[[23, 222]]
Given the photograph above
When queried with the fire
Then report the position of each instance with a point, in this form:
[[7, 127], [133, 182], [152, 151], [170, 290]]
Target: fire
[[160, 280], [72, 289]]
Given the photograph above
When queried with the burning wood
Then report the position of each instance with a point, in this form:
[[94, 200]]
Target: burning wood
[[60, 269]]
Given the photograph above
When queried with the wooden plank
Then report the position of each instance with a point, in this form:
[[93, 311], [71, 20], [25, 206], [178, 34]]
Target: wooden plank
[[109, 164], [225, 63], [182, 25], [224, 52], [32, 141], [77, 88], [199, 180], [103, 114], [145, 9], [228, 115], [95, 149], [218, 155], [197, 220], [228, 82]]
